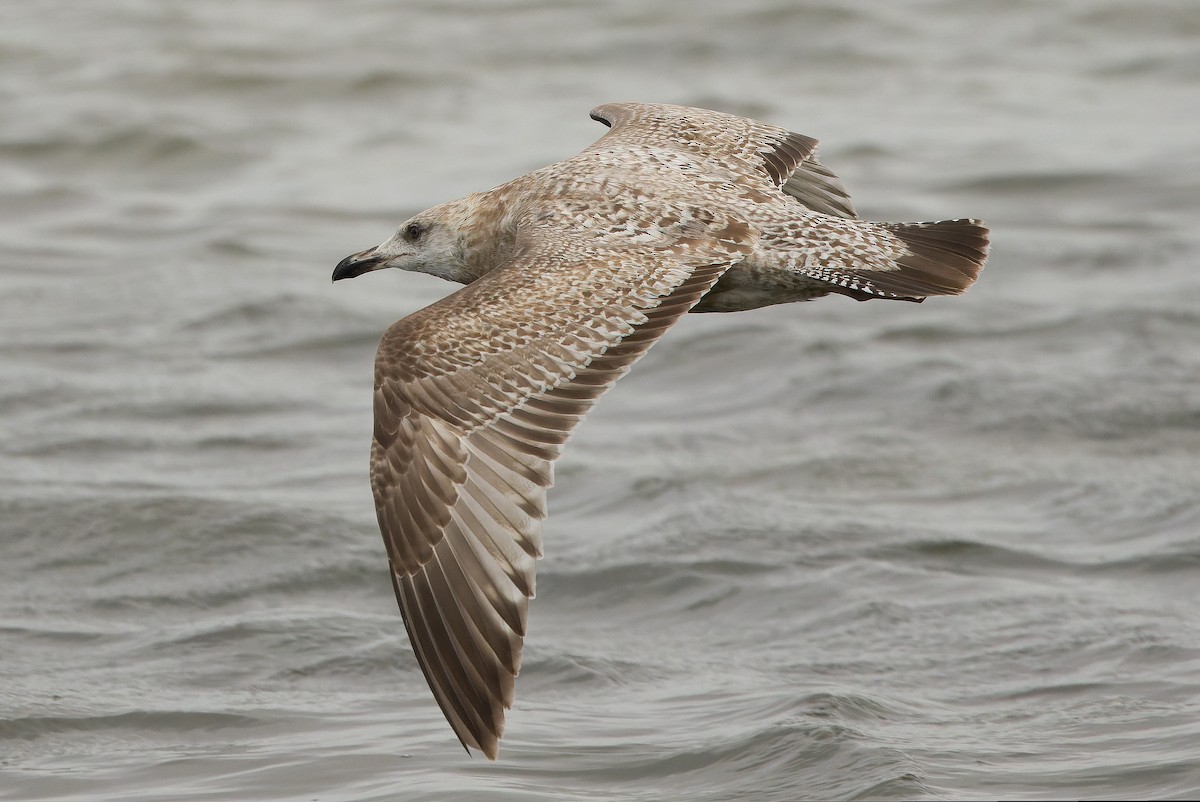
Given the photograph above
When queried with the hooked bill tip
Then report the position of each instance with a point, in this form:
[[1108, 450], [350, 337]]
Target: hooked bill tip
[[355, 265]]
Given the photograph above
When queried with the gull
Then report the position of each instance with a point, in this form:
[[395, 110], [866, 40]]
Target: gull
[[572, 272]]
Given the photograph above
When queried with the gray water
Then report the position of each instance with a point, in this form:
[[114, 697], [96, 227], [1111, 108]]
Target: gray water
[[828, 550]]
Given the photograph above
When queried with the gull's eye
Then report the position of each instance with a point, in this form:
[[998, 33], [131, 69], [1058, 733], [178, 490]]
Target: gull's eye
[[414, 231]]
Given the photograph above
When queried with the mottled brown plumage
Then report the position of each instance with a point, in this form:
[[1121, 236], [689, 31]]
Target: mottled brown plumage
[[573, 272]]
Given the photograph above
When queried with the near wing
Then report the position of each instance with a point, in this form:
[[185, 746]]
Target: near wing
[[474, 397]]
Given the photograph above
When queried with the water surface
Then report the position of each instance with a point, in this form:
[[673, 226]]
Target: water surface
[[830, 550]]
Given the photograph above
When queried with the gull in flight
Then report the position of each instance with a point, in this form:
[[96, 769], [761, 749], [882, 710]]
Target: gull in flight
[[572, 272]]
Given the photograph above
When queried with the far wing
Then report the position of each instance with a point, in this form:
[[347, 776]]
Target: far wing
[[815, 186], [475, 396], [772, 157]]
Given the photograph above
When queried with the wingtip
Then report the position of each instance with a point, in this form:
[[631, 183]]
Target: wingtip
[[489, 747], [487, 744]]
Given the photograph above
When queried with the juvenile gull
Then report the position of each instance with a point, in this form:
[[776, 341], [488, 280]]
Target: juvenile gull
[[573, 271]]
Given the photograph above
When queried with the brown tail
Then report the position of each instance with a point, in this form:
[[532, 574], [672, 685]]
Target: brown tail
[[943, 258]]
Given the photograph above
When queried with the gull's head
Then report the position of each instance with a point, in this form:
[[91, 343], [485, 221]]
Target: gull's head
[[426, 243]]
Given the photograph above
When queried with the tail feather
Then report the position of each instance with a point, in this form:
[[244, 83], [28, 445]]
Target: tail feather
[[941, 258]]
